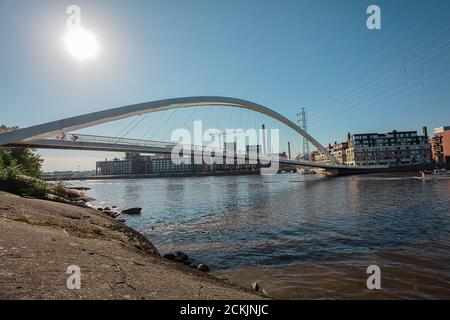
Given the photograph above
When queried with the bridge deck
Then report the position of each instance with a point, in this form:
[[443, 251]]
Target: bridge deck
[[103, 143]]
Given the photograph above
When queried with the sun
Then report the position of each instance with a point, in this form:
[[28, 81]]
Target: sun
[[81, 43]]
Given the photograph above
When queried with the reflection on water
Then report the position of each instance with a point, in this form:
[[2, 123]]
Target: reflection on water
[[300, 236]]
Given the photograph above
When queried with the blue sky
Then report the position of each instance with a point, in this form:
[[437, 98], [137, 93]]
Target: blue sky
[[282, 54]]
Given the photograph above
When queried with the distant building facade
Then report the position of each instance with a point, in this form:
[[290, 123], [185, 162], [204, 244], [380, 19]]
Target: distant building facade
[[440, 145], [391, 148], [138, 164], [338, 151], [133, 163], [61, 175]]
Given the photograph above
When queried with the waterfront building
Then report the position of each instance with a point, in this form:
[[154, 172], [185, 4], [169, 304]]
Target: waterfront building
[[60, 175], [337, 150], [440, 145], [253, 151], [137, 164], [167, 165], [391, 148], [133, 163]]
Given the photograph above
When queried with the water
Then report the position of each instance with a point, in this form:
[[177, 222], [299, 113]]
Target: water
[[299, 236]]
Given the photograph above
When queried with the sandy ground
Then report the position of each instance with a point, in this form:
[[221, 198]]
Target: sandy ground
[[40, 239]]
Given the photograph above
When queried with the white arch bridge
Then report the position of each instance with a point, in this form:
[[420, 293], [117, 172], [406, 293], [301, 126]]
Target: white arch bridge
[[43, 136]]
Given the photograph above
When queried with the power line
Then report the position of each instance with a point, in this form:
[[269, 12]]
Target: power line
[[362, 90], [379, 99], [343, 93], [357, 104]]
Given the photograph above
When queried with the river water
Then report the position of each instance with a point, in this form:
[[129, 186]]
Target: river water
[[299, 237]]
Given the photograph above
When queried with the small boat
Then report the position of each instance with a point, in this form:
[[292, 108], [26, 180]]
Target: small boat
[[437, 174], [441, 172]]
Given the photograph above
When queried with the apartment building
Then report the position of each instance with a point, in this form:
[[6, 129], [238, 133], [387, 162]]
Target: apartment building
[[391, 148], [440, 145]]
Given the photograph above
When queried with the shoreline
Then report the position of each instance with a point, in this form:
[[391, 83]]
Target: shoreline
[[40, 239], [155, 176], [389, 170]]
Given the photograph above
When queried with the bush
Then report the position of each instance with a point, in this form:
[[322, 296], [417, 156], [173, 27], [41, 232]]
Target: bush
[[60, 189], [13, 181], [19, 168], [30, 163]]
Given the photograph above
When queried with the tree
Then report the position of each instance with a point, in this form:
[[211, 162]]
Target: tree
[[27, 160]]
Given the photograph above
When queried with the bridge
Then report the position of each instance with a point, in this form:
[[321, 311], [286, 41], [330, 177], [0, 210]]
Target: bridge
[[44, 136]]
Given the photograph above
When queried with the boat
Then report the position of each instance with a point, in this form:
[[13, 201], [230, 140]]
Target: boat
[[437, 174]]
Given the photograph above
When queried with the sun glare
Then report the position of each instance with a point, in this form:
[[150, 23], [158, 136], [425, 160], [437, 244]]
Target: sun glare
[[81, 44]]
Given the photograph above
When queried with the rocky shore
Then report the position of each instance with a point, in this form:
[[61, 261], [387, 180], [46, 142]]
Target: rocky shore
[[40, 240], [177, 256]]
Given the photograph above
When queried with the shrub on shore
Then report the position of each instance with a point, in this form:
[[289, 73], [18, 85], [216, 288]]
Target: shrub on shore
[[19, 170], [13, 180], [30, 163]]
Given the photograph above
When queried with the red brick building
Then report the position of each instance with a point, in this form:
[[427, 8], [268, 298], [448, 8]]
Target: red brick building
[[440, 145]]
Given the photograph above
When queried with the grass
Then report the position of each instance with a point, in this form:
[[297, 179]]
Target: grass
[[52, 223], [23, 219], [137, 245], [55, 223], [96, 231]]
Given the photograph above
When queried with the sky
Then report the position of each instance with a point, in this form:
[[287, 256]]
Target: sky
[[317, 54]]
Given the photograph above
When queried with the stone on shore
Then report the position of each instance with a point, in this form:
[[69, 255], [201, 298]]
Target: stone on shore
[[136, 210], [203, 267], [181, 257], [169, 256], [110, 213]]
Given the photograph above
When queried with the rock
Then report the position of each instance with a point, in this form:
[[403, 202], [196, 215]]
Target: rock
[[181, 257], [255, 286], [110, 213], [121, 220], [114, 207], [203, 267], [71, 215], [100, 209], [224, 277], [80, 188], [169, 256], [188, 262], [80, 203], [106, 209], [28, 197], [132, 211], [264, 292]]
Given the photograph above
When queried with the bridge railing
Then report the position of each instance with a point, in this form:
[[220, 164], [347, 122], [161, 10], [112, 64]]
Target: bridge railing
[[70, 138], [137, 142], [116, 140]]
